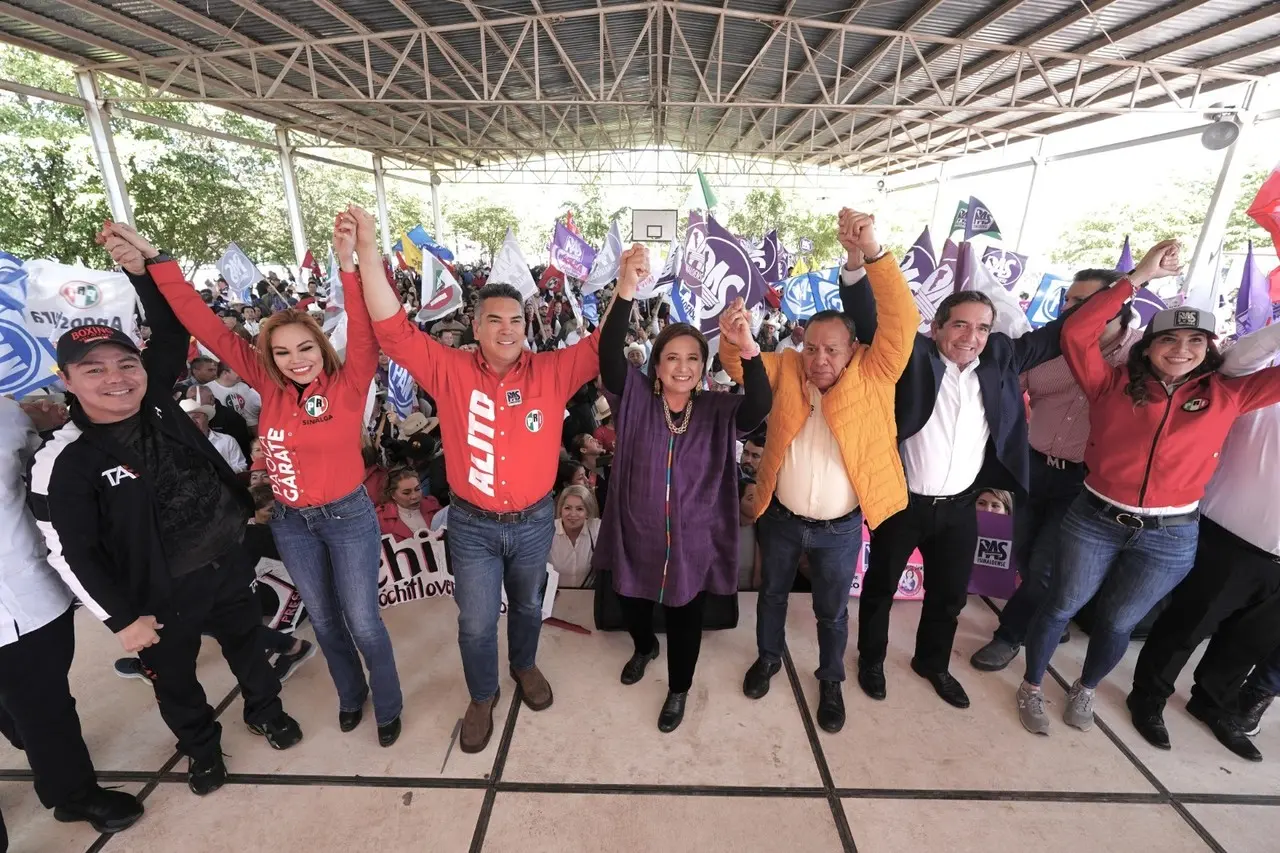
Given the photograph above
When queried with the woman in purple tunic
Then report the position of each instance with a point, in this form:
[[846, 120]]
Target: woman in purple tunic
[[669, 533]]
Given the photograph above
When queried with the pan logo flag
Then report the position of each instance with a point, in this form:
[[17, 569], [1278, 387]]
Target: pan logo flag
[[1005, 267], [978, 220]]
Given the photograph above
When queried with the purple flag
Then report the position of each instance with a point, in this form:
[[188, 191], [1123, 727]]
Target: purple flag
[[571, 254], [1147, 304], [994, 573], [1253, 304], [978, 219], [1125, 265], [938, 285], [691, 269], [771, 259], [722, 271], [920, 261], [1005, 267], [957, 221]]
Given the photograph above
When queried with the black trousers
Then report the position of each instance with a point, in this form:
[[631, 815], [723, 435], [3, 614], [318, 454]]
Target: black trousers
[[215, 600], [1233, 594], [684, 635], [38, 712], [946, 532]]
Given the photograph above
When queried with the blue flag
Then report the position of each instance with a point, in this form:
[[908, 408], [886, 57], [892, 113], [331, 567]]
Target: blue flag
[[399, 389], [806, 294], [13, 282], [423, 240], [240, 272]]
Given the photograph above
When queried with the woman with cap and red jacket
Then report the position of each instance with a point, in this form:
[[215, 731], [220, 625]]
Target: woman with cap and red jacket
[[310, 429], [1156, 426]]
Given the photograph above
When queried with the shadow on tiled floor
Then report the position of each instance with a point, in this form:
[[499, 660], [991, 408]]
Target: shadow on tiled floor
[[592, 773]]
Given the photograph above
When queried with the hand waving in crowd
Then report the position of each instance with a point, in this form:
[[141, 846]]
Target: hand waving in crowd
[[345, 228], [858, 236], [1161, 261], [127, 247]]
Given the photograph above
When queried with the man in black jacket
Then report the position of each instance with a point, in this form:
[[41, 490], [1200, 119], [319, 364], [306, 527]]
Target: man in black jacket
[[144, 522], [961, 427]]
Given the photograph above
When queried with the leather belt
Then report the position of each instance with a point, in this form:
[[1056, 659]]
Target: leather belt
[[1139, 521], [786, 513], [1056, 462], [934, 500], [500, 517]]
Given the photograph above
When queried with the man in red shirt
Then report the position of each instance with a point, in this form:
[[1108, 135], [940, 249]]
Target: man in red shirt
[[501, 409]]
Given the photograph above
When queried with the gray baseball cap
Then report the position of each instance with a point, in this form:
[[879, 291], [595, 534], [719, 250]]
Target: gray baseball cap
[[1184, 318]]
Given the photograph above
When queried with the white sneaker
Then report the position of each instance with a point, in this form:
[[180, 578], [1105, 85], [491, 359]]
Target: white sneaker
[[1079, 711], [1031, 710]]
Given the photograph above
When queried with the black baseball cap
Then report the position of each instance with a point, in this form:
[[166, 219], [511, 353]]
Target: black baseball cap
[[74, 346]]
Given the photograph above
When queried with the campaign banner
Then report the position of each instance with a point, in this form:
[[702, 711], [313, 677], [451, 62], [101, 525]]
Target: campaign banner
[[1047, 300], [994, 572], [510, 267], [806, 294], [241, 273], [400, 389], [1009, 319], [979, 220], [767, 257], [441, 294], [27, 362], [62, 297], [723, 271], [937, 286], [423, 240], [920, 261], [604, 268], [1005, 267], [277, 587], [571, 253], [418, 568]]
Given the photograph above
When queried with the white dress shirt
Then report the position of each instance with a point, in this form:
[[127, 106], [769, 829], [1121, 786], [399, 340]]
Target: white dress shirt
[[1241, 497], [229, 449], [31, 593], [946, 456], [813, 481], [573, 559]]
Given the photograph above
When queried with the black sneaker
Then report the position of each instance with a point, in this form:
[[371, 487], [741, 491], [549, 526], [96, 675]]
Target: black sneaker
[[134, 668], [287, 664], [281, 732], [1253, 704], [105, 810], [206, 776]]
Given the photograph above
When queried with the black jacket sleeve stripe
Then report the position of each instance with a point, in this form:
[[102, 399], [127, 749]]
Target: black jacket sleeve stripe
[[66, 513]]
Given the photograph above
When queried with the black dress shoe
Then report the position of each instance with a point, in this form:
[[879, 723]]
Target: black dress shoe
[[945, 686], [348, 720], [206, 776], [1225, 728], [105, 811], [756, 683], [633, 670], [389, 733], [1148, 719], [830, 706], [1253, 704], [672, 712], [871, 679]]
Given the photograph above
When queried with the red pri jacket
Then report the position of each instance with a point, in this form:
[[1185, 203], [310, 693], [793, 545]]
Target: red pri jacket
[[1161, 454], [310, 437], [501, 436]]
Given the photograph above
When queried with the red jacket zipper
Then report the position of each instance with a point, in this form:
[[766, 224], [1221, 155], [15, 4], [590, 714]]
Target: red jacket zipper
[[1151, 457]]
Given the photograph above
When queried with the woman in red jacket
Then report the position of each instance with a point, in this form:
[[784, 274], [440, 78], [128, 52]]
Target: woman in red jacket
[[310, 427], [404, 510], [1155, 428]]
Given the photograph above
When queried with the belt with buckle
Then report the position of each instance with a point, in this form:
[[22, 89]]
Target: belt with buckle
[[1139, 521], [1057, 462], [934, 500], [786, 513], [500, 517]]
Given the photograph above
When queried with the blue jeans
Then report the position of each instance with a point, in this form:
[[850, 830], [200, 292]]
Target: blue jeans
[[1266, 675], [332, 553], [1130, 570], [1037, 528], [833, 551], [486, 555]]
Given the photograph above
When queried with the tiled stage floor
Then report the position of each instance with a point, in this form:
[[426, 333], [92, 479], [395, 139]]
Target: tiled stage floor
[[593, 773]]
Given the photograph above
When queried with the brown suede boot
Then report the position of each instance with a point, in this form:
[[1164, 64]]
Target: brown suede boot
[[534, 688], [477, 724]]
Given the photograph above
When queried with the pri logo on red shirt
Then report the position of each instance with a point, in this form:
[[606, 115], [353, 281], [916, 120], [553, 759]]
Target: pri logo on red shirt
[[316, 405]]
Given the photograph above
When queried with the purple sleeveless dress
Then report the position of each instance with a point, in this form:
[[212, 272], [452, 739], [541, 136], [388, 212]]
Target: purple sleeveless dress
[[668, 545]]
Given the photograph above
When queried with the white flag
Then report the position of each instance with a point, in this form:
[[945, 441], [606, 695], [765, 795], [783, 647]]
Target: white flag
[[61, 296], [659, 283], [1010, 318], [509, 267], [604, 268]]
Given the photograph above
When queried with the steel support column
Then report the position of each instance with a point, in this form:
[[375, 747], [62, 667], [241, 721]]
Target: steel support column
[[1037, 161], [292, 201], [98, 116], [380, 192], [1204, 261], [436, 219], [937, 195]]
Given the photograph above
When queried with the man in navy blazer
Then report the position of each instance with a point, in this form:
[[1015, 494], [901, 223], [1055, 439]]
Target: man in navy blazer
[[962, 427]]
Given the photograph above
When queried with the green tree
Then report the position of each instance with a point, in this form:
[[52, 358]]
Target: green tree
[[484, 224], [590, 214], [763, 211], [1095, 240], [51, 203]]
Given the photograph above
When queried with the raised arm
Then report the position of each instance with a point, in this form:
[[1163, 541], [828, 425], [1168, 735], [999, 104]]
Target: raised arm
[[633, 266], [1080, 334], [1259, 390], [358, 232], [735, 335], [188, 308], [1252, 352], [896, 315], [406, 344]]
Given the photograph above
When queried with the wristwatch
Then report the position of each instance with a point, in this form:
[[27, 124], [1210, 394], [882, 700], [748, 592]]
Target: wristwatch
[[883, 252], [161, 257]]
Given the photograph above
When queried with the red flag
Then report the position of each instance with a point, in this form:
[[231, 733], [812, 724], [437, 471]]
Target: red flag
[[400, 262], [310, 265], [386, 265], [1274, 278], [552, 280], [1265, 209], [771, 296], [568, 221]]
